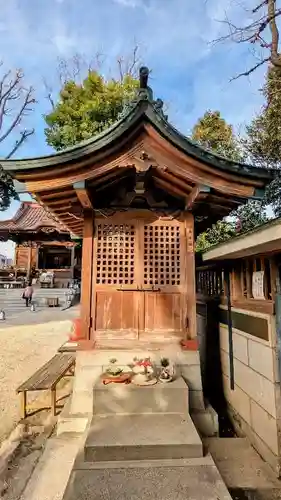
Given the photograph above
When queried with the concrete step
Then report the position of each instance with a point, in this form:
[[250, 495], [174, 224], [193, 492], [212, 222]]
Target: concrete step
[[242, 468], [11, 300], [142, 437], [159, 398], [196, 479]]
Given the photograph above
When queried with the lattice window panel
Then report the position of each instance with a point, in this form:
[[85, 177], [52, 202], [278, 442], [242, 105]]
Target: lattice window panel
[[161, 255], [115, 254]]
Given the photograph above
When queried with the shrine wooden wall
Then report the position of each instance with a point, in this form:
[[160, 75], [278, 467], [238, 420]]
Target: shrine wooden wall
[[22, 256]]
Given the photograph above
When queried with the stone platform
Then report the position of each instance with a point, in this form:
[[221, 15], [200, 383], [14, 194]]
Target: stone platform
[[91, 364], [196, 479], [171, 397], [136, 442], [142, 437]]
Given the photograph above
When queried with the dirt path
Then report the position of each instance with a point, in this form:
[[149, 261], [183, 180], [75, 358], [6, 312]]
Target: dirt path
[[24, 349]]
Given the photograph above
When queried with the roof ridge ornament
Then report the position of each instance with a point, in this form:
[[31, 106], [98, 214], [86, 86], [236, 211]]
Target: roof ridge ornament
[[144, 93]]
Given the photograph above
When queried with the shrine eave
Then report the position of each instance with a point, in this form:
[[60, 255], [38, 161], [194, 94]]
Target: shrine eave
[[141, 161], [143, 111]]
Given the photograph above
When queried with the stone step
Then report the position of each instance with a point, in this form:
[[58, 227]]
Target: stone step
[[196, 479], [11, 300], [169, 397], [142, 437]]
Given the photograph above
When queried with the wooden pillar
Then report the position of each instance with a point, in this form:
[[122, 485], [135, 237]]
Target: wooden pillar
[[86, 274], [29, 258], [72, 261], [37, 255], [191, 330]]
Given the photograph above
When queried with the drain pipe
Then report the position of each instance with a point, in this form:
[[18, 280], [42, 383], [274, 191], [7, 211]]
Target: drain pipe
[[278, 319], [230, 333]]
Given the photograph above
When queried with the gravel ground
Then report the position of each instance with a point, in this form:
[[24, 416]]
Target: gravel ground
[[24, 349]]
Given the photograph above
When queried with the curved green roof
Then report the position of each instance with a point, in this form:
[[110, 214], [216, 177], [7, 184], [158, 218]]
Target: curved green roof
[[142, 110]]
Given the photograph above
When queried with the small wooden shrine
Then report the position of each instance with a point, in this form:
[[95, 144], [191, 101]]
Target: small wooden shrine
[[41, 241], [138, 193]]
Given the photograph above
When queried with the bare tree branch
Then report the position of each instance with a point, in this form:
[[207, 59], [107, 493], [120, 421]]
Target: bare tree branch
[[258, 7], [77, 67], [262, 31], [247, 73], [16, 101], [49, 93], [28, 99], [272, 14], [24, 135]]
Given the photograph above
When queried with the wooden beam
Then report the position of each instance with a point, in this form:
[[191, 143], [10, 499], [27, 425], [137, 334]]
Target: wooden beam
[[196, 190], [61, 202], [56, 195], [169, 188], [191, 330], [172, 179], [83, 195], [103, 179], [86, 274]]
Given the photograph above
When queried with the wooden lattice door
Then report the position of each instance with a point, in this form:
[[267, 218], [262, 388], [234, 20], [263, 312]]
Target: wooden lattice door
[[163, 277], [115, 279], [139, 278]]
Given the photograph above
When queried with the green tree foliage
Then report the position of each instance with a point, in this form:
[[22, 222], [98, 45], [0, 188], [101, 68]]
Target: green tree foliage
[[219, 232], [213, 133], [85, 109], [263, 141], [249, 216]]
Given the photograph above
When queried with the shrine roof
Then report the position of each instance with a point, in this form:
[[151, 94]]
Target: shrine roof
[[31, 217], [141, 161], [142, 110]]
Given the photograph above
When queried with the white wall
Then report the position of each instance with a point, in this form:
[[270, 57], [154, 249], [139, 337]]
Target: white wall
[[255, 401]]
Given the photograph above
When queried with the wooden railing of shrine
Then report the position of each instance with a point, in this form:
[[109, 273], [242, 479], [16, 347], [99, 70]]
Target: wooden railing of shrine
[[209, 281]]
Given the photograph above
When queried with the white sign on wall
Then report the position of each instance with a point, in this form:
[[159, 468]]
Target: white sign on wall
[[257, 285]]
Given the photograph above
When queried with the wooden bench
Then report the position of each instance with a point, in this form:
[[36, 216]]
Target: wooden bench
[[46, 379], [46, 284], [52, 302]]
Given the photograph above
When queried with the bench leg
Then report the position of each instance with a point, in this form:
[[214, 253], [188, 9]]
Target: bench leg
[[23, 404], [53, 402]]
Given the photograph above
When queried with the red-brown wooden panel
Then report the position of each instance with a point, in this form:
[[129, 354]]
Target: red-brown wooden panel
[[116, 312], [162, 312]]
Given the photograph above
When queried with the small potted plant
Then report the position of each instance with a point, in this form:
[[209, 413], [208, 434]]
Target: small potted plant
[[143, 372], [113, 370], [166, 370]]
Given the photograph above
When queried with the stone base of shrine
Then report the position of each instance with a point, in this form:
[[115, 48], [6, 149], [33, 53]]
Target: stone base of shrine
[[80, 409]]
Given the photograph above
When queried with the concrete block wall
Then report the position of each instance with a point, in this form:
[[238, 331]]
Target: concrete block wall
[[254, 403]]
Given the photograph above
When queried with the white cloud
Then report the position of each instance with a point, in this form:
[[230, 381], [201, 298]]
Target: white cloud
[[64, 44], [130, 3], [187, 71]]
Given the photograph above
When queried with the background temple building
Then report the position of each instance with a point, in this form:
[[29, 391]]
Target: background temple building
[[41, 241]]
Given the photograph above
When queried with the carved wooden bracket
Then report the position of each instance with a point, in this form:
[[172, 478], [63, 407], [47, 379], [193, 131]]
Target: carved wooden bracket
[[83, 195], [144, 162], [190, 200]]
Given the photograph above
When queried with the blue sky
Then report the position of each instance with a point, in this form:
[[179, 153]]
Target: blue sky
[[189, 73]]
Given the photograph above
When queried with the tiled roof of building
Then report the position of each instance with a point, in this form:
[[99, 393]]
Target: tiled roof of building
[[31, 217]]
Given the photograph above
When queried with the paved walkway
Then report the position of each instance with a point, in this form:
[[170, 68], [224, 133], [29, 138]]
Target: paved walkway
[[23, 349]]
